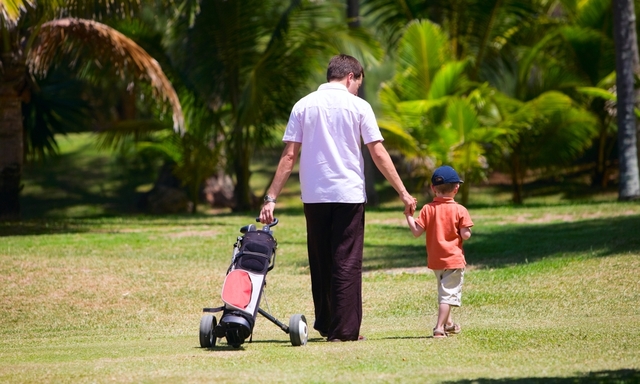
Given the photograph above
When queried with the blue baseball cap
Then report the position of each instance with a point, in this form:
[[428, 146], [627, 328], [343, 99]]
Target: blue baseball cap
[[445, 175]]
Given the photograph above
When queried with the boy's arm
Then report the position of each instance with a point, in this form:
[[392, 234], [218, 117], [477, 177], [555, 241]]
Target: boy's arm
[[465, 233], [415, 228]]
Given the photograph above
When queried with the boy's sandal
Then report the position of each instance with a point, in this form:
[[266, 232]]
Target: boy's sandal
[[439, 334], [453, 328]]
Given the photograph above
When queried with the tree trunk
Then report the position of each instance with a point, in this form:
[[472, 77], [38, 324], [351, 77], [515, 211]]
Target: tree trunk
[[11, 138], [599, 175], [516, 178], [636, 71], [241, 164], [242, 191], [626, 46]]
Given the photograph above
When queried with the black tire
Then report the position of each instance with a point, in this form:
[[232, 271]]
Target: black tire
[[207, 337], [298, 331]]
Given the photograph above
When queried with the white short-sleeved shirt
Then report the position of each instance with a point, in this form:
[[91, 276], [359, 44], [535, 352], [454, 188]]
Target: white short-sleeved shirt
[[330, 124]]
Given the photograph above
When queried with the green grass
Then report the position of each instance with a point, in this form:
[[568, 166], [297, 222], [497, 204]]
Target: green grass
[[551, 294], [119, 299]]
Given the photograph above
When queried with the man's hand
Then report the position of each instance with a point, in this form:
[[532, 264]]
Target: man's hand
[[410, 203], [266, 213]]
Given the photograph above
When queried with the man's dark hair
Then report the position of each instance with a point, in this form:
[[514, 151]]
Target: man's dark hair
[[341, 65]]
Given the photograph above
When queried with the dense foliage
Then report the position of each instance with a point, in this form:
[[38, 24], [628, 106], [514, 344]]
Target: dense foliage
[[515, 86]]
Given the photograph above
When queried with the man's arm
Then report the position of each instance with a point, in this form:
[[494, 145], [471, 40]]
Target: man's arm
[[383, 161], [285, 166]]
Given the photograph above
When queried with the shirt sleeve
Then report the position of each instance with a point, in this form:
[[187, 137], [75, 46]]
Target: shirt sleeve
[[465, 218], [369, 128], [293, 132], [421, 220]]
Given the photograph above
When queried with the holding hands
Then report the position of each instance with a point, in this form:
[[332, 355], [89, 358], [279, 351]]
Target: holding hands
[[410, 203]]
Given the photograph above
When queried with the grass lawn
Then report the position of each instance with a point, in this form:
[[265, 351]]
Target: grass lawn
[[551, 295]]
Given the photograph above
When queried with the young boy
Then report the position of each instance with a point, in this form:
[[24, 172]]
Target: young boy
[[447, 225]]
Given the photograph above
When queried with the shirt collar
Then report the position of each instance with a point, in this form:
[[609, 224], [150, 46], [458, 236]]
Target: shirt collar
[[332, 85]]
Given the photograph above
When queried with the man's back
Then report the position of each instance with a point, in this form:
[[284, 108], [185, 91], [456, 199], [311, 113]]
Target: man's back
[[330, 123]]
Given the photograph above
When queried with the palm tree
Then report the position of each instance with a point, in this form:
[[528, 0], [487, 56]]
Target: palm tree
[[430, 98], [456, 121], [255, 59], [486, 31], [583, 43], [34, 37], [483, 35], [546, 132], [626, 56]]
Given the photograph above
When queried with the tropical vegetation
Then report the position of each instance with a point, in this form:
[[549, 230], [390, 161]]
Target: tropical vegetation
[[35, 35], [521, 87]]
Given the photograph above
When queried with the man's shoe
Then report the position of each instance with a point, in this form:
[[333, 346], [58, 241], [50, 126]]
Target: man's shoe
[[360, 338]]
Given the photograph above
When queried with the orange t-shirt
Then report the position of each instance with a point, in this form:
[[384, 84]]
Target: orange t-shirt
[[442, 220]]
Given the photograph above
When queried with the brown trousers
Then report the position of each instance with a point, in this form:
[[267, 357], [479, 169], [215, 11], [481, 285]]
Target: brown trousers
[[335, 240]]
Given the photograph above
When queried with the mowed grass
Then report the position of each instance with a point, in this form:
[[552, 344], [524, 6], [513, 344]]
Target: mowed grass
[[91, 293], [551, 293]]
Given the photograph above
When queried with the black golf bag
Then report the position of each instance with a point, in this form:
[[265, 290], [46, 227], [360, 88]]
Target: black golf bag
[[254, 255], [242, 288]]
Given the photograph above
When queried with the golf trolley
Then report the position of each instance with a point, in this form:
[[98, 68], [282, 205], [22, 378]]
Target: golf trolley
[[254, 255]]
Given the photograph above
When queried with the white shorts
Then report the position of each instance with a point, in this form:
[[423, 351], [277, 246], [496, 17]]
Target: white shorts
[[450, 286]]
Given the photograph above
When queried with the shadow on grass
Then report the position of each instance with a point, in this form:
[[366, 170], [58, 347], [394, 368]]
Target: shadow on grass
[[40, 227], [516, 244], [602, 377], [54, 226], [526, 243], [229, 348]]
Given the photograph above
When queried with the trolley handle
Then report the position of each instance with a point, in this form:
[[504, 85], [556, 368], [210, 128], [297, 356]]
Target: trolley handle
[[268, 226]]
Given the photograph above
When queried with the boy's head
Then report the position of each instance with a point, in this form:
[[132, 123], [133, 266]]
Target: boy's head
[[445, 179]]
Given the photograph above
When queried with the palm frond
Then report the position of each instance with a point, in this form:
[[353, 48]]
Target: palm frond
[[423, 50], [56, 107], [448, 79], [117, 133], [79, 38], [590, 51], [389, 17], [597, 92], [10, 10], [593, 14], [96, 9], [397, 137]]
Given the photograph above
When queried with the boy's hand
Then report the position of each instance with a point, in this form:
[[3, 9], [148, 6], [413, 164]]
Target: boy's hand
[[410, 203]]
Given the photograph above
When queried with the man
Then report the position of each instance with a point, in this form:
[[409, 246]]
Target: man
[[328, 125]]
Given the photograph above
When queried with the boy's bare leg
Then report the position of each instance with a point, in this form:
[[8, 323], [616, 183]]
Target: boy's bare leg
[[444, 316]]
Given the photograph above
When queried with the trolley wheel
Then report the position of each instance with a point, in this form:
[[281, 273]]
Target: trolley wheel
[[207, 337], [298, 331]]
